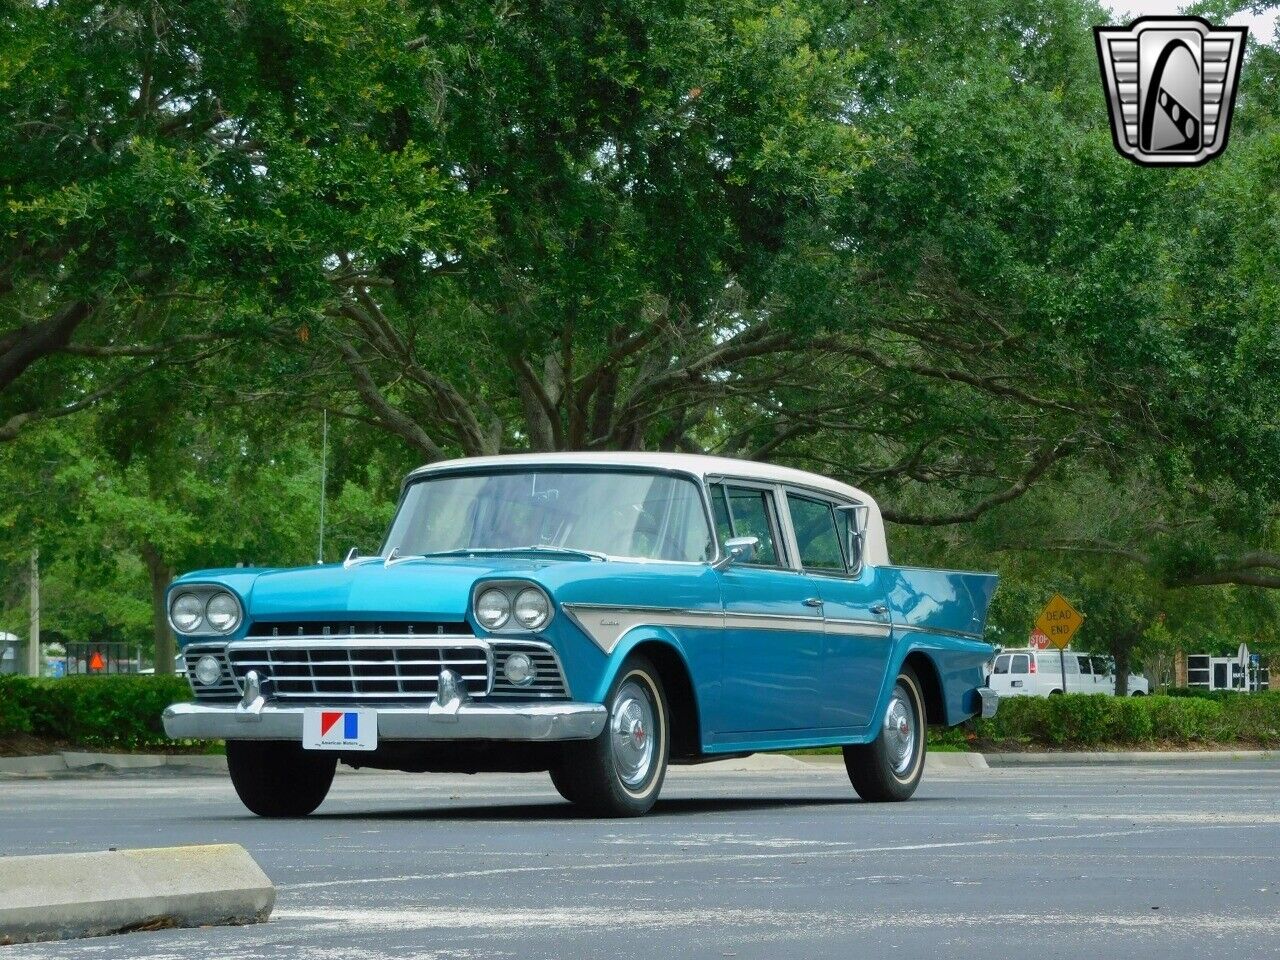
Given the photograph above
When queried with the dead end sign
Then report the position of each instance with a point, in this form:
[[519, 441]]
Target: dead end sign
[[1059, 621]]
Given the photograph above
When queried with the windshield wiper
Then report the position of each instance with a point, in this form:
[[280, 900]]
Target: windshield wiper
[[534, 548]]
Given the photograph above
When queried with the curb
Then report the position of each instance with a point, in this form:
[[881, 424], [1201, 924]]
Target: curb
[[75, 761], [67, 895], [1142, 757]]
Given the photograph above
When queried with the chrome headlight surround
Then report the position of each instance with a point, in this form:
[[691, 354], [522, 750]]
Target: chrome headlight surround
[[513, 591], [230, 614]]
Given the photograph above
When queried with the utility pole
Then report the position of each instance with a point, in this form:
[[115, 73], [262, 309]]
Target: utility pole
[[33, 644]]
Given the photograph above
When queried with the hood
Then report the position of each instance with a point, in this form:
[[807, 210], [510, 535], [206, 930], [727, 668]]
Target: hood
[[416, 589]]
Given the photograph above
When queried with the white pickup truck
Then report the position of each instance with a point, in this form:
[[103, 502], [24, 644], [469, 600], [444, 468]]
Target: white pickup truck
[[1038, 673]]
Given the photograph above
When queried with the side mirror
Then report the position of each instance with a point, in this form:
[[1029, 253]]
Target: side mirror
[[737, 550]]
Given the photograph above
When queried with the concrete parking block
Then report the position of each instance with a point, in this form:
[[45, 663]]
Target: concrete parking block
[[63, 896]]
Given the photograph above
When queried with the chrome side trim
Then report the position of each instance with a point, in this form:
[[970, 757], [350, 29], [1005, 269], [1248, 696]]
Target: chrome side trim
[[912, 628], [880, 629], [606, 624]]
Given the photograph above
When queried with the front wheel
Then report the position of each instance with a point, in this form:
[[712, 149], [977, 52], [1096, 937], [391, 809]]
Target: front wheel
[[620, 772], [276, 778], [890, 766]]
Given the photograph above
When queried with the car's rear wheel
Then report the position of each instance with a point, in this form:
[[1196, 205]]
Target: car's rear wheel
[[620, 772], [276, 778], [890, 766]]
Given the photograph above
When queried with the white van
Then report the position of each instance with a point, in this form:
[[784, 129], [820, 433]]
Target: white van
[[1038, 673]]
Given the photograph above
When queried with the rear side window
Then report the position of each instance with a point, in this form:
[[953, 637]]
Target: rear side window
[[751, 514], [1084, 664], [1099, 665], [817, 535], [1050, 661], [1021, 663], [1002, 664]]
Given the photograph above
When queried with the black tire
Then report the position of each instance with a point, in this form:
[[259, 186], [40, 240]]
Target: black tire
[[887, 768], [1055, 693], [1137, 693], [279, 779], [591, 772]]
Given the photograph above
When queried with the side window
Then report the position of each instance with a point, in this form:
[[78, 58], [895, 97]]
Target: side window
[[1002, 664], [752, 514], [720, 511], [1021, 663], [1084, 665], [816, 534], [1099, 665]]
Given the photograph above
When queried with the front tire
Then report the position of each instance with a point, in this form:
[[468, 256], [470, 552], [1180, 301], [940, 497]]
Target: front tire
[[890, 766], [620, 772], [276, 778]]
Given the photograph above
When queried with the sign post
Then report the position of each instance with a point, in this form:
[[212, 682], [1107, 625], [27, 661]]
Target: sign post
[[1059, 621]]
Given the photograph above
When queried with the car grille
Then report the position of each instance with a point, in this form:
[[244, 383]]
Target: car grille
[[225, 690], [548, 684], [370, 668], [377, 668]]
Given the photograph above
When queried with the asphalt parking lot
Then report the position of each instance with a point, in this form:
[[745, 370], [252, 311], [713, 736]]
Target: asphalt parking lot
[[1134, 861]]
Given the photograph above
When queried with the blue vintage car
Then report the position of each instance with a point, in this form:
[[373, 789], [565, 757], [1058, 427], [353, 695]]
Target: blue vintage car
[[597, 616]]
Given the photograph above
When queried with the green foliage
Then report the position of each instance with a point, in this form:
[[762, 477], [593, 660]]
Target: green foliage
[[115, 712], [1080, 721]]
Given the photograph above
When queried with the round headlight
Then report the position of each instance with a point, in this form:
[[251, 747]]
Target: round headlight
[[208, 670], [223, 612], [519, 669], [492, 609], [533, 609], [186, 612]]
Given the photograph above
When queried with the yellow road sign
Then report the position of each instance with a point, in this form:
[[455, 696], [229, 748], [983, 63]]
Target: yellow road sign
[[1059, 621]]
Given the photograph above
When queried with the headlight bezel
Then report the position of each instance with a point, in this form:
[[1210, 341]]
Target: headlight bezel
[[203, 594], [511, 590]]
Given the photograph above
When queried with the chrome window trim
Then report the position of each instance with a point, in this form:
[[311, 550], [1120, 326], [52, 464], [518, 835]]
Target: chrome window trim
[[940, 631], [777, 521]]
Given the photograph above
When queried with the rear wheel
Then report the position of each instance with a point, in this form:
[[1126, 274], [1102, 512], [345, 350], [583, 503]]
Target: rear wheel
[[620, 772], [890, 766], [276, 778]]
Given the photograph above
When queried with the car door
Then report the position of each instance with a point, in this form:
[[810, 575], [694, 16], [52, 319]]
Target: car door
[[1103, 676], [999, 681], [856, 620], [1020, 673], [773, 635]]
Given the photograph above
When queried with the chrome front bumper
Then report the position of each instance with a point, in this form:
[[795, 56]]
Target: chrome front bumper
[[467, 721], [990, 702]]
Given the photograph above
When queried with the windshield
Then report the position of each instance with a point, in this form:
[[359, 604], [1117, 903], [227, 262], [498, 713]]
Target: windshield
[[649, 516]]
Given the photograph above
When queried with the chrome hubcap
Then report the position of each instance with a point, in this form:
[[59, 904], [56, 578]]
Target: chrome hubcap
[[900, 731], [631, 724]]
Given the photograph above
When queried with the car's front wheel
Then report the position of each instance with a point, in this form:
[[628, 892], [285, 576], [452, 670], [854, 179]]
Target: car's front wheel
[[620, 772], [278, 778], [890, 766]]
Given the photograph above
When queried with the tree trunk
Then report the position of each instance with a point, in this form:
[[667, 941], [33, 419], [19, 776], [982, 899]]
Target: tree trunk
[[161, 574], [1121, 647]]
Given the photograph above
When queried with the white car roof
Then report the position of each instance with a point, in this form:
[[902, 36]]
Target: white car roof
[[876, 553]]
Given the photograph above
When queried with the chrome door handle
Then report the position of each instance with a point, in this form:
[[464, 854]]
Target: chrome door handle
[[879, 609], [813, 602]]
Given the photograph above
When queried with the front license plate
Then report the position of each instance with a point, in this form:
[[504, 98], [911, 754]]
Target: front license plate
[[339, 729]]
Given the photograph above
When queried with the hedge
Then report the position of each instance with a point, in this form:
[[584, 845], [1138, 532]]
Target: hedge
[[1095, 720], [124, 713], [116, 712]]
